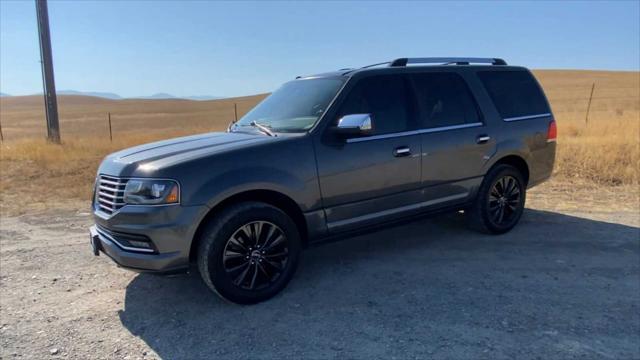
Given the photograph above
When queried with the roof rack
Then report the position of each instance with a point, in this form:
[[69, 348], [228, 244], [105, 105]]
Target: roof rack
[[447, 61]]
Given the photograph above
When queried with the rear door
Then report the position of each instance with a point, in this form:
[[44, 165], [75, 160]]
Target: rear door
[[455, 140], [365, 180]]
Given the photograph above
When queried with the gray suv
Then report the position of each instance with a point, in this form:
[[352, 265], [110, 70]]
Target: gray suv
[[326, 156]]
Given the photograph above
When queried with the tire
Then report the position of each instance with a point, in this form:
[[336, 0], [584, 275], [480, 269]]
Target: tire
[[244, 268], [484, 214]]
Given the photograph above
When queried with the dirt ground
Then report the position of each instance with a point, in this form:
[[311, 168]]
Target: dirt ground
[[565, 283]]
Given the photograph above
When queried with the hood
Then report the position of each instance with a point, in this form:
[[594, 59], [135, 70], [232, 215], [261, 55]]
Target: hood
[[145, 159]]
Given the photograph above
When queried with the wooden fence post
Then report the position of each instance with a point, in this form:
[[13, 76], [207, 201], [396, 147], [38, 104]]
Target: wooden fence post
[[1, 136], [110, 132], [586, 118], [235, 111]]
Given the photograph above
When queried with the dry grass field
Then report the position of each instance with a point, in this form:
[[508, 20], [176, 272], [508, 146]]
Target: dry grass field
[[603, 152], [606, 149]]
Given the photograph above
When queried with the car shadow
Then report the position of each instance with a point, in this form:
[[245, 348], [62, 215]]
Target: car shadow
[[429, 288]]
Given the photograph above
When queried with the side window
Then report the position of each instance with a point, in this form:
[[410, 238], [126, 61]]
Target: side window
[[444, 100], [385, 98], [514, 93]]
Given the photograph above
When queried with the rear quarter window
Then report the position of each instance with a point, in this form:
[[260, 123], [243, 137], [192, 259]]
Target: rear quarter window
[[514, 93]]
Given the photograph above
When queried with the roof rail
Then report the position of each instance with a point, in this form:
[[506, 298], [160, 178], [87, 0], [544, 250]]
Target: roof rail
[[447, 61]]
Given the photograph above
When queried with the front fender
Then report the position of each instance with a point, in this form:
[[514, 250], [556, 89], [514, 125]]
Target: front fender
[[237, 181]]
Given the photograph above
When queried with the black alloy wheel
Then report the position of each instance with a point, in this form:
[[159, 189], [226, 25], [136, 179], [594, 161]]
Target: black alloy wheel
[[248, 252], [500, 200], [504, 200], [255, 255]]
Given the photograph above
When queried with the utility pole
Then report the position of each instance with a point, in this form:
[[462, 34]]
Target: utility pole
[[48, 82]]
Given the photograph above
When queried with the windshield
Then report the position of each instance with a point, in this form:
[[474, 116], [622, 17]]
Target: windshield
[[294, 107]]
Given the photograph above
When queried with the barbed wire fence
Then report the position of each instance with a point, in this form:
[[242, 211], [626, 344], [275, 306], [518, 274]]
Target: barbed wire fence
[[571, 107]]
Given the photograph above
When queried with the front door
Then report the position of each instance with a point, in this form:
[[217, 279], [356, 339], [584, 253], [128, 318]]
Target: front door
[[365, 180]]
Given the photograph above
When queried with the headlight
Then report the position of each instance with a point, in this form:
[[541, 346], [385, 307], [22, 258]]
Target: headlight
[[151, 192]]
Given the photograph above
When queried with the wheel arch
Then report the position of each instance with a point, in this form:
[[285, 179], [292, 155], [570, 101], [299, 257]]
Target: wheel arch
[[271, 197], [516, 161]]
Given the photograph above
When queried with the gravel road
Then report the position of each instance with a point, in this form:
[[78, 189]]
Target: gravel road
[[558, 286]]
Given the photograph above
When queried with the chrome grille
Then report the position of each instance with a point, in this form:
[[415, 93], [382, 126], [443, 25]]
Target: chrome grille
[[110, 193]]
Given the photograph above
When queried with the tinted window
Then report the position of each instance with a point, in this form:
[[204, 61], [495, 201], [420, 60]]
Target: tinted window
[[514, 93], [444, 100], [385, 98]]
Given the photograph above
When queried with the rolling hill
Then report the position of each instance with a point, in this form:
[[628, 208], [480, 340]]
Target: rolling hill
[[616, 96]]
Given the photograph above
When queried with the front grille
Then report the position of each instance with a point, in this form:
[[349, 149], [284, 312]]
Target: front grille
[[110, 193]]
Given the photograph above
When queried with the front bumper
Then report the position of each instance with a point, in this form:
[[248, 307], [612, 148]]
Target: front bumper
[[169, 228]]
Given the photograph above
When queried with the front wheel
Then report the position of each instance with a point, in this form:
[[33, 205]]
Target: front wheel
[[249, 252], [500, 200]]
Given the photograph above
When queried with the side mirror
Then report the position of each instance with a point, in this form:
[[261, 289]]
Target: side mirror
[[354, 125]]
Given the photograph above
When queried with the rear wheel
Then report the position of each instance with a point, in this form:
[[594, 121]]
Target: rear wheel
[[500, 200], [249, 252]]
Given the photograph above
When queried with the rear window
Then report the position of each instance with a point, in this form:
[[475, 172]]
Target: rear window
[[514, 93]]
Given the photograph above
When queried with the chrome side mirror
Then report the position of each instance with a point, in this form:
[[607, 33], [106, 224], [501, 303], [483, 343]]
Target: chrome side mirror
[[354, 125]]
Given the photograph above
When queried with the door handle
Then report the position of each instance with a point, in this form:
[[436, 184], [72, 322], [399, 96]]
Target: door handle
[[482, 139], [402, 151]]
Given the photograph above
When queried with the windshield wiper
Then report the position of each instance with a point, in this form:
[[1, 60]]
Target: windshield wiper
[[262, 128]]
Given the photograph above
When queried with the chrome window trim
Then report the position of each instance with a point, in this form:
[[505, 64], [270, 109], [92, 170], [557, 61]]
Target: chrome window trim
[[527, 117], [414, 132]]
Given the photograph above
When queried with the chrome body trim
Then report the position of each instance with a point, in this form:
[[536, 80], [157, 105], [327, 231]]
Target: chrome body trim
[[372, 216], [527, 117], [361, 122], [109, 191], [110, 196], [104, 236], [413, 132]]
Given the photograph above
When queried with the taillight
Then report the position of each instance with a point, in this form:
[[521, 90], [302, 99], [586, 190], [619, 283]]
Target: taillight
[[552, 133]]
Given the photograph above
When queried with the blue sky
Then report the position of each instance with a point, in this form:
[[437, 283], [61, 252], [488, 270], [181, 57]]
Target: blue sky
[[221, 48]]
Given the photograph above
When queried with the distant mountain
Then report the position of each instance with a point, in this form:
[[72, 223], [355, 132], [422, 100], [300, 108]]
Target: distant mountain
[[113, 96], [170, 96], [155, 96], [204, 97], [106, 95], [3, 94]]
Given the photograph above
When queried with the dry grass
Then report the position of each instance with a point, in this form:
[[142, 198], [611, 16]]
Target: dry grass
[[606, 149], [36, 175], [84, 116], [605, 152]]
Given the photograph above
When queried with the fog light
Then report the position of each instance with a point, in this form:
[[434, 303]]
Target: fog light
[[140, 244]]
